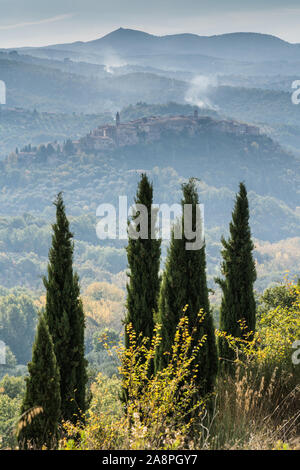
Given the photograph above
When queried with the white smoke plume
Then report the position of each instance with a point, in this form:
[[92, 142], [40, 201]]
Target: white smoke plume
[[200, 90], [112, 61], [2, 92]]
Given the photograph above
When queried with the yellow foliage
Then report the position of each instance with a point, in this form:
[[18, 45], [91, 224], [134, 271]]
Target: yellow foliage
[[104, 290], [277, 329], [255, 408], [159, 409]]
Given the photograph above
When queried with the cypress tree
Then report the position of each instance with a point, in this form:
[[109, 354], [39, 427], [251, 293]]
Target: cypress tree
[[41, 405], [143, 256], [238, 269], [65, 317], [184, 283]]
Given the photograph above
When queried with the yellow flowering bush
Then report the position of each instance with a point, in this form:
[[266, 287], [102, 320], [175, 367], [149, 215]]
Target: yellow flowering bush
[[159, 409], [262, 397], [256, 407], [277, 329]]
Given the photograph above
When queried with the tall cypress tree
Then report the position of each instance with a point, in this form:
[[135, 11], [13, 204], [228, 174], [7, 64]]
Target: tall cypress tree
[[65, 317], [41, 405], [184, 283], [143, 256], [238, 269]]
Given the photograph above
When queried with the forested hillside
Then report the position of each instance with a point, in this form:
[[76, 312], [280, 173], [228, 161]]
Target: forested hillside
[[20, 127], [217, 159]]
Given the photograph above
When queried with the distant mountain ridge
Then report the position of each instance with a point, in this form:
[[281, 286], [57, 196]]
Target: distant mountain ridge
[[235, 46]]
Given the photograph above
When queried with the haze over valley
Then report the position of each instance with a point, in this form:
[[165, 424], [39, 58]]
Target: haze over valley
[[65, 91], [137, 341]]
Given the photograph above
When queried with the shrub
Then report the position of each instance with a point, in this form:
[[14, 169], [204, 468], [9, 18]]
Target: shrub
[[161, 410], [262, 398]]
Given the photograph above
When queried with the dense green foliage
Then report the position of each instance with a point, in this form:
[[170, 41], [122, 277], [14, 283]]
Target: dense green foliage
[[10, 409], [184, 287], [12, 386], [18, 318], [144, 262], [277, 297], [238, 308], [65, 318], [18, 127], [38, 426]]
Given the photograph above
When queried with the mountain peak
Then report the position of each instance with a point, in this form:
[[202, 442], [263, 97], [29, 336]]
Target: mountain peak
[[126, 33]]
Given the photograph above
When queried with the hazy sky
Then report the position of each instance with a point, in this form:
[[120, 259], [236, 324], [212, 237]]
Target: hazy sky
[[40, 22]]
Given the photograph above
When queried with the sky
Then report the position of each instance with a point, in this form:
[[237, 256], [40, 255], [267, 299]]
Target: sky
[[40, 22]]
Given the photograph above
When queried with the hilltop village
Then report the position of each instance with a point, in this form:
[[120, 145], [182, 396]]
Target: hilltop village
[[144, 130], [149, 129]]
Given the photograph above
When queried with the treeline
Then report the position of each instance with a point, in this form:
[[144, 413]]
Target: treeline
[[19, 126], [56, 386], [183, 286]]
